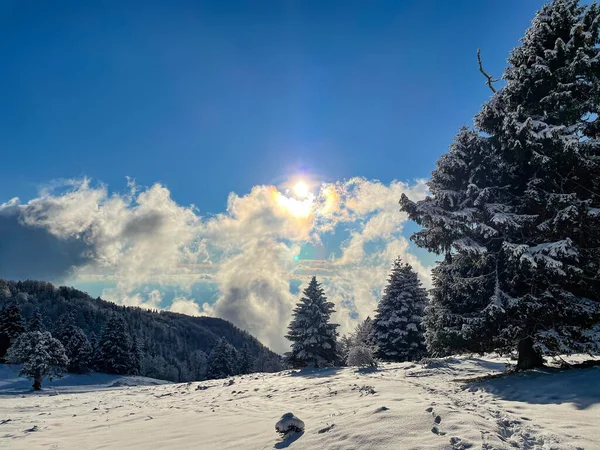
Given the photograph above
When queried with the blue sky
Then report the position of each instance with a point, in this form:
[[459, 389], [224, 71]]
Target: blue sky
[[224, 106], [213, 97]]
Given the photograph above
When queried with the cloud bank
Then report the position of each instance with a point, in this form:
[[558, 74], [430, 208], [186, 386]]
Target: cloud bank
[[250, 252]]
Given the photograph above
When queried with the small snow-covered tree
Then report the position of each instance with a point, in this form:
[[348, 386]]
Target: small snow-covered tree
[[114, 348], [36, 322], [362, 356], [221, 362], [362, 336], [41, 356], [11, 326], [314, 339], [397, 327]]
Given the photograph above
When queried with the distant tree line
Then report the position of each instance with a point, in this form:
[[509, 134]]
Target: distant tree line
[[79, 334]]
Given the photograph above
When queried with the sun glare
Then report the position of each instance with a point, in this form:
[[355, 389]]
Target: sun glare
[[297, 208], [301, 189]]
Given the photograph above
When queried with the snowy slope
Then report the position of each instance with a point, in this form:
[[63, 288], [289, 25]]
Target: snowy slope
[[400, 406], [11, 383]]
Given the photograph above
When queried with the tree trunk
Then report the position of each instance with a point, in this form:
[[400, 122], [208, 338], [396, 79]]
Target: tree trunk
[[529, 358], [37, 383]]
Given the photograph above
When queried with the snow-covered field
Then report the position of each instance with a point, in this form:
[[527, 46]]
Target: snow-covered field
[[399, 406]]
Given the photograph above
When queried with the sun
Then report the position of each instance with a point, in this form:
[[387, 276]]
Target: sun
[[301, 189]]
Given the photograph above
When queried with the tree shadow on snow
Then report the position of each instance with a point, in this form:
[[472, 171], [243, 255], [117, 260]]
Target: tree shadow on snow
[[577, 386], [289, 440], [316, 373]]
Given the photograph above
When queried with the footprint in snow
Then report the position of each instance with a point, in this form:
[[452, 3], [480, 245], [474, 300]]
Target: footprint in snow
[[436, 430]]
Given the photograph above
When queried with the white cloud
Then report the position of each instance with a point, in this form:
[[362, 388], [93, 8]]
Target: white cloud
[[183, 305], [144, 237]]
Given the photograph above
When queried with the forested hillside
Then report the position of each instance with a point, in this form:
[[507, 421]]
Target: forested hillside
[[173, 346]]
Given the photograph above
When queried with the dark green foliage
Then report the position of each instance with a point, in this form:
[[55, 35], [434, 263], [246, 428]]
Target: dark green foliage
[[314, 339]]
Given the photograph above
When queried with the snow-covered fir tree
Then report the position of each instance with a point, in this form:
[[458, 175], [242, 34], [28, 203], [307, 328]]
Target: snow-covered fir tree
[[114, 348], [11, 326], [363, 333], [94, 346], [41, 356], [246, 360], [361, 339], [221, 361], [198, 364], [343, 345], [65, 327], [314, 339], [36, 323], [457, 223], [136, 356], [79, 351], [76, 344], [397, 327], [522, 271]]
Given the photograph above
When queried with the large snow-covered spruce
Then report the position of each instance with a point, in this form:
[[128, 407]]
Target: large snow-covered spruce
[[41, 356], [397, 327], [314, 339], [515, 209]]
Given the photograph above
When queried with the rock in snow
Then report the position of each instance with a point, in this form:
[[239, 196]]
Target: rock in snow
[[289, 423]]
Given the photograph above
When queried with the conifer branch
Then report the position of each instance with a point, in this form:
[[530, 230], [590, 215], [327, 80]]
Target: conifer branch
[[490, 80]]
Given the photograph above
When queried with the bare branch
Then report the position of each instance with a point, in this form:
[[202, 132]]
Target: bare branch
[[490, 80]]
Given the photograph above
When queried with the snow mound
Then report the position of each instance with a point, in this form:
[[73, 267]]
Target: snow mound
[[289, 423]]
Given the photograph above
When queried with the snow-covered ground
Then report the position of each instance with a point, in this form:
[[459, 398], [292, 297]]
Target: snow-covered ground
[[399, 406]]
